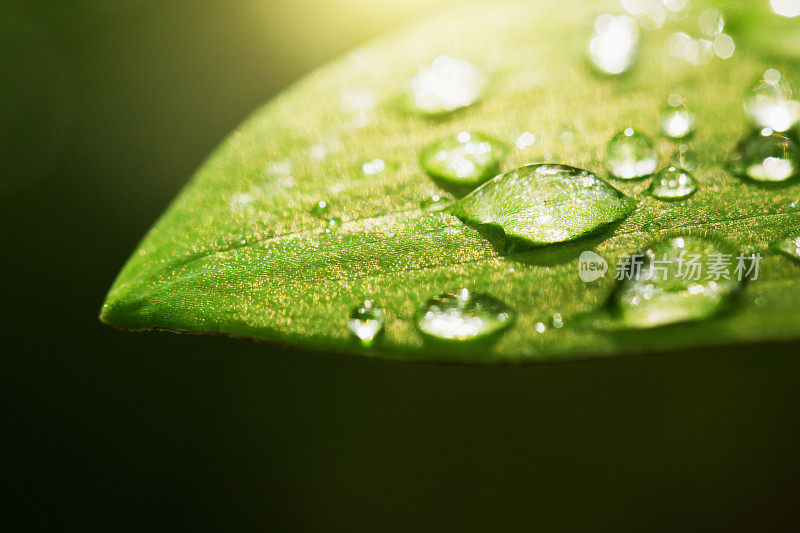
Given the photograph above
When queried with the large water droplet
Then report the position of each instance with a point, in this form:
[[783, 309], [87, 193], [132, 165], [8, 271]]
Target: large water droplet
[[444, 86], [673, 184], [544, 204], [681, 279], [464, 159], [615, 44], [677, 122], [463, 316], [367, 321], [766, 156], [789, 245], [630, 155], [771, 103]]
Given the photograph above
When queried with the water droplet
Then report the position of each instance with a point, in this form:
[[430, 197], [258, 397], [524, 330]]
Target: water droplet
[[711, 22], [631, 155], [677, 122], [652, 227], [789, 245], [544, 204], [375, 166], [771, 104], [566, 134], [615, 44], [464, 159], [766, 156], [677, 280], [525, 140], [434, 202], [463, 316], [367, 321], [444, 86], [786, 8], [321, 209], [684, 158], [724, 46], [332, 224], [540, 327], [694, 51], [673, 184], [557, 321]]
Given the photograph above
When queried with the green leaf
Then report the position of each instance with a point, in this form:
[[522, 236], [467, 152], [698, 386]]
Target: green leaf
[[240, 253]]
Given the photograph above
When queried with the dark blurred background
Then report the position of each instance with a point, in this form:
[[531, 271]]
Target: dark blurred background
[[107, 109]]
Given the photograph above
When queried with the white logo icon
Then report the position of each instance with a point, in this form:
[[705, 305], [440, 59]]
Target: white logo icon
[[591, 267]]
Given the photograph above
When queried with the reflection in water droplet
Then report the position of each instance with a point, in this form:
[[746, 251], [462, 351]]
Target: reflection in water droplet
[[771, 104], [673, 184], [462, 316], [711, 22], [434, 202], [615, 44], [464, 159], [786, 8], [676, 120], [444, 86], [681, 279], [789, 245], [332, 224], [320, 209], [766, 156], [367, 321], [525, 140], [684, 158], [375, 166], [630, 155]]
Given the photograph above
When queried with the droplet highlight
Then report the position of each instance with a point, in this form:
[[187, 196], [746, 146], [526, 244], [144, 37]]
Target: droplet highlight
[[631, 155], [673, 183], [464, 159], [677, 122], [444, 86], [367, 322], [463, 316]]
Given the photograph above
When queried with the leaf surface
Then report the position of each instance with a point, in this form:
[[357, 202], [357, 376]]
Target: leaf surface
[[240, 253]]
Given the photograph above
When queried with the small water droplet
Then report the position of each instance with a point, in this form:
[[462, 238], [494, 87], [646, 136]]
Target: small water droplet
[[771, 103], [320, 209], [766, 156], [685, 158], [566, 134], [724, 46], [434, 202], [677, 122], [525, 140], [367, 321], [540, 327], [789, 245], [332, 224], [557, 321], [673, 183], [464, 159], [444, 86], [711, 22], [463, 316], [652, 227], [374, 166], [676, 280], [630, 155], [614, 45]]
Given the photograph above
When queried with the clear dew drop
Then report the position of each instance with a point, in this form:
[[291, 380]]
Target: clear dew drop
[[366, 322], [789, 245], [766, 156], [444, 86], [772, 102], [673, 183], [463, 316], [652, 227], [321, 209], [631, 155], [464, 159], [614, 45], [680, 279], [434, 202], [677, 122], [332, 224], [684, 157]]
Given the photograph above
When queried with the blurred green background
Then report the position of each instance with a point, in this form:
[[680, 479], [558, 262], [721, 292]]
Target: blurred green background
[[107, 108]]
